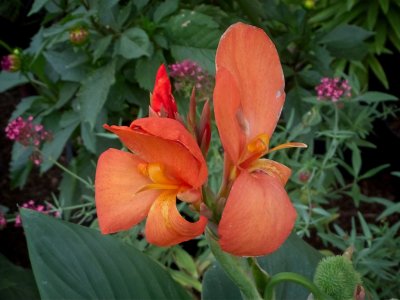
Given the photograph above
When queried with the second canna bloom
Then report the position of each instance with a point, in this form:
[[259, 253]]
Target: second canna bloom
[[248, 100], [165, 163]]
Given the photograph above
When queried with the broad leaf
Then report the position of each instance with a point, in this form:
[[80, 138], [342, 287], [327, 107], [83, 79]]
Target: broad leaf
[[68, 64], [94, 91], [16, 282], [37, 5], [52, 149], [9, 80], [146, 69], [347, 41], [133, 43], [164, 9], [75, 262], [194, 36], [293, 256]]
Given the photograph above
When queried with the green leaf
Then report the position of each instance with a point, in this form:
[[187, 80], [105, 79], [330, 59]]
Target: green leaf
[[372, 14], [94, 91], [164, 9], [372, 97], [373, 171], [9, 80], [100, 46], [146, 69], [52, 149], [67, 91], [346, 41], [293, 256], [392, 209], [88, 137], [68, 64], [74, 262], [185, 261], [20, 165], [393, 18], [355, 159], [16, 282], [23, 106], [140, 4], [194, 36], [36, 6], [376, 67], [384, 5], [133, 43]]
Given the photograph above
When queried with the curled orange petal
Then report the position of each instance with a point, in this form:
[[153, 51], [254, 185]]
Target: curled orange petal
[[165, 226], [117, 182], [272, 168], [167, 142], [258, 216]]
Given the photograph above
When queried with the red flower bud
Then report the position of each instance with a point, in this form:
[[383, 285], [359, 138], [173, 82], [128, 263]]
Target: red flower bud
[[78, 36], [162, 103]]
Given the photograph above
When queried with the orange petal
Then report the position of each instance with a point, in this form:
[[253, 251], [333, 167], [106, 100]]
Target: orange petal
[[272, 168], [165, 226], [232, 127], [258, 216], [117, 181], [165, 141], [162, 101], [250, 57]]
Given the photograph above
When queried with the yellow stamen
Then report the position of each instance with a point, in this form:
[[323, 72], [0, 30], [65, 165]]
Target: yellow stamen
[[255, 149], [288, 145]]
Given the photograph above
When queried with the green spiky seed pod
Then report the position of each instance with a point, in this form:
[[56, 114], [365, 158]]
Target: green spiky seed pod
[[336, 277]]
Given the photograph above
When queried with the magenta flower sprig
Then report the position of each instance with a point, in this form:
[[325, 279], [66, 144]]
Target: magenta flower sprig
[[333, 89], [188, 74], [28, 134], [31, 204]]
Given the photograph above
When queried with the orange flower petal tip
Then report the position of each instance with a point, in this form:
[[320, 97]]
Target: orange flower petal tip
[[258, 216]]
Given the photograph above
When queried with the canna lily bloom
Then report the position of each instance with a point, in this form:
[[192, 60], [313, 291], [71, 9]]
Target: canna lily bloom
[[165, 163], [248, 100], [162, 103]]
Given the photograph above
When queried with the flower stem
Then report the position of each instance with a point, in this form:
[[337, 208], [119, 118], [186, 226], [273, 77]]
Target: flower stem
[[296, 278], [236, 268]]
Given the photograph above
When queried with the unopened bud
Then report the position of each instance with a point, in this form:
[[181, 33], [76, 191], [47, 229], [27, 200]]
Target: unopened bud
[[304, 176], [11, 62], [309, 4], [336, 277], [78, 36]]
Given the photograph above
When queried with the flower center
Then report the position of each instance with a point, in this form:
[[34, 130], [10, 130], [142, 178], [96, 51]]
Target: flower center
[[255, 149], [160, 179]]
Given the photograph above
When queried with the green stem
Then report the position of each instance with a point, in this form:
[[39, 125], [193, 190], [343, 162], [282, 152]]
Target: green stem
[[236, 268], [8, 48], [85, 182], [296, 278]]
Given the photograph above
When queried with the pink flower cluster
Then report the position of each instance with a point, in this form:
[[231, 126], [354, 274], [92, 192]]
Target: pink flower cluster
[[28, 134], [48, 210], [11, 63], [187, 74], [333, 89]]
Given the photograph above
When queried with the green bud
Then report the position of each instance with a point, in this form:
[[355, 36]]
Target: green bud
[[335, 276]]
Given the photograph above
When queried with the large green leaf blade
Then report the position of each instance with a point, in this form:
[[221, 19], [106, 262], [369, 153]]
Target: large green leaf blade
[[293, 256], [74, 262], [16, 282]]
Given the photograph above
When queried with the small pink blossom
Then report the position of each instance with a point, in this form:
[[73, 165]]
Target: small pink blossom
[[31, 204], [333, 89], [28, 134], [188, 74]]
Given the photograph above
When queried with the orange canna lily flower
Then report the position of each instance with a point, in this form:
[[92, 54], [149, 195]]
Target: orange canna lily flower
[[165, 163], [162, 103], [248, 100]]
